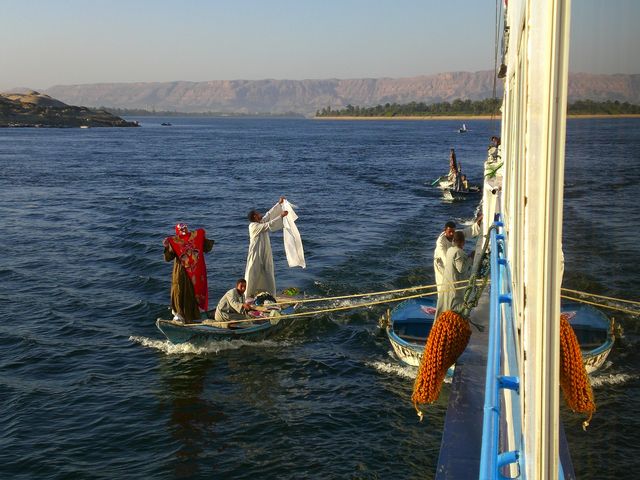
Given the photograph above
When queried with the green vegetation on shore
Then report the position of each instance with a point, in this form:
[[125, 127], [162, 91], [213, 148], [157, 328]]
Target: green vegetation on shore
[[589, 107], [140, 112], [488, 106]]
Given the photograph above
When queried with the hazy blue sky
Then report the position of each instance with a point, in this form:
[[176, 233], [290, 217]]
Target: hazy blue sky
[[49, 42]]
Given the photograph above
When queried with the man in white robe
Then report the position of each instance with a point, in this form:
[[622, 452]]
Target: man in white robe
[[445, 242], [457, 267], [259, 273]]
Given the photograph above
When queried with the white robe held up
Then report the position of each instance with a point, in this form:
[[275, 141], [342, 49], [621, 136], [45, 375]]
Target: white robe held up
[[292, 241]]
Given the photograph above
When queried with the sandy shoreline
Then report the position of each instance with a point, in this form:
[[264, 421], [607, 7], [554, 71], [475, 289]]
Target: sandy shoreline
[[465, 117], [421, 117]]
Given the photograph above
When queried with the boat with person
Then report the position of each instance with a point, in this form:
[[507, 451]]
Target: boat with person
[[452, 194], [267, 320], [463, 129]]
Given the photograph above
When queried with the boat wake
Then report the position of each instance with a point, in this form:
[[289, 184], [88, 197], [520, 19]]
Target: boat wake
[[208, 348], [611, 379], [403, 371]]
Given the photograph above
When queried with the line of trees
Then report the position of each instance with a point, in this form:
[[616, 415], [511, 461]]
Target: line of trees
[[488, 106], [589, 107], [141, 112]]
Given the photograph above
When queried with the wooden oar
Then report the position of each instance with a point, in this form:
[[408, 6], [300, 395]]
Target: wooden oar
[[437, 180]]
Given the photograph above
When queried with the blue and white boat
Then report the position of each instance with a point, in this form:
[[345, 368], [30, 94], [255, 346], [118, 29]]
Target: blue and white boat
[[594, 330], [408, 325]]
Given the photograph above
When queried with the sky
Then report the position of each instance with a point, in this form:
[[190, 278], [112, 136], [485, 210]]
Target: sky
[[60, 42]]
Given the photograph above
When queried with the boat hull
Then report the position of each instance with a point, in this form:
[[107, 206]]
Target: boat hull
[[450, 194], [195, 333], [408, 326], [594, 331]]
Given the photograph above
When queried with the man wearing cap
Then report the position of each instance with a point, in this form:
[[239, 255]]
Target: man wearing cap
[[189, 289], [457, 268], [445, 242]]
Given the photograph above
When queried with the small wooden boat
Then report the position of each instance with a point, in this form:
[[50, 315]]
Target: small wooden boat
[[266, 324], [594, 330], [408, 326], [409, 323], [472, 192]]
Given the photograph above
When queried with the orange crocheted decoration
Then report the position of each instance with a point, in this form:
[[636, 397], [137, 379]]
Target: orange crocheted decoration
[[574, 380], [447, 340]]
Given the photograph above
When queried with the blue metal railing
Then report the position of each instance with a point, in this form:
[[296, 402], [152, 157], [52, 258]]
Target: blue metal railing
[[492, 460]]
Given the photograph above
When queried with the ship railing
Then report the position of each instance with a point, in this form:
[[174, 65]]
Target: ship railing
[[502, 389]]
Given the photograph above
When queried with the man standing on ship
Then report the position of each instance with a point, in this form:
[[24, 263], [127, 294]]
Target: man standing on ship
[[189, 289], [445, 242], [260, 271], [456, 269]]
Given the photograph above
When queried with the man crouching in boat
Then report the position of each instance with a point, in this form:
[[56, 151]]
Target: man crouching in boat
[[189, 289], [233, 306]]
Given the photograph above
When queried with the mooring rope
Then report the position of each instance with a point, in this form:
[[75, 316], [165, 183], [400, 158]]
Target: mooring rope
[[603, 305], [356, 295], [633, 302], [341, 308]]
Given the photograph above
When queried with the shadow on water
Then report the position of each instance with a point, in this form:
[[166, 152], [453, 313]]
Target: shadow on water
[[192, 417]]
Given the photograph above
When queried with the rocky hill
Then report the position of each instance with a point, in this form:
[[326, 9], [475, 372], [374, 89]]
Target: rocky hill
[[308, 96], [33, 109]]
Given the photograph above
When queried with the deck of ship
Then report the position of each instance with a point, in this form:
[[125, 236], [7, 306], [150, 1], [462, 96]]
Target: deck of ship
[[462, 436]]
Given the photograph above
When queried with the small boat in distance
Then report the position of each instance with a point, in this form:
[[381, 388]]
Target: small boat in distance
[[165, 124], [463, 129]]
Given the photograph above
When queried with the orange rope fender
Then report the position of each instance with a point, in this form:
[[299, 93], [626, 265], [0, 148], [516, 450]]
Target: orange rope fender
[[447, 340], [574, 380]]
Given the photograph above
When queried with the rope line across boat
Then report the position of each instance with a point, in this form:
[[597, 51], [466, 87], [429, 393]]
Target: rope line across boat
[[603, 305], [602, 296], [345, 307], [368, 294]]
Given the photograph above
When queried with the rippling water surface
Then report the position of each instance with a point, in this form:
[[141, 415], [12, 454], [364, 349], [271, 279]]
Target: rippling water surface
[[90, 388]]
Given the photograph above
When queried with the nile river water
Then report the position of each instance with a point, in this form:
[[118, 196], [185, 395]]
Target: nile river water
[[90, 388]]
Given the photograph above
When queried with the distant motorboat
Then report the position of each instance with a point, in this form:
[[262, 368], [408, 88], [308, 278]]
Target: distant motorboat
[[463, 129], [165, 124]]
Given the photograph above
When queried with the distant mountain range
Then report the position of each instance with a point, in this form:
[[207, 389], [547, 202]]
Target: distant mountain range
[[308, 96]]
